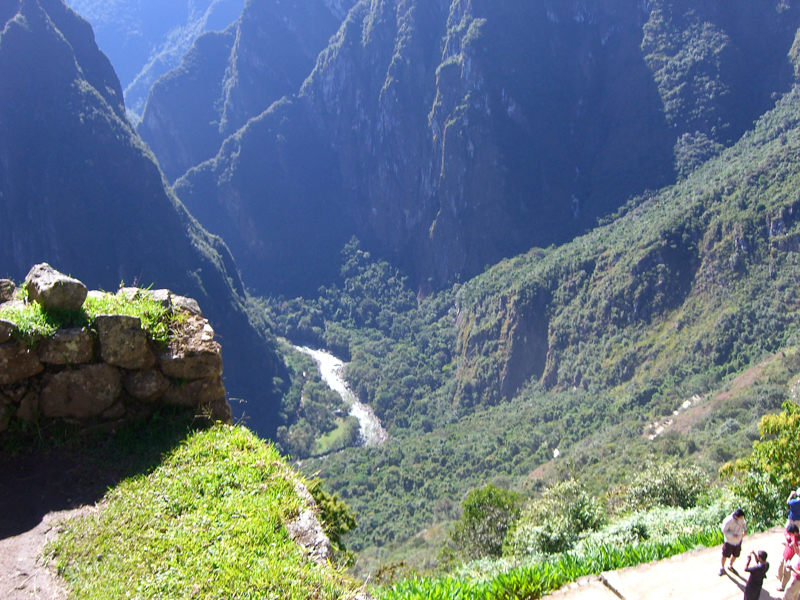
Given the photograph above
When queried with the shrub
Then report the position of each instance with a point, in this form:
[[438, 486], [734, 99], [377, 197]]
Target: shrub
[[556, 521], [665, 484], [487, 515]]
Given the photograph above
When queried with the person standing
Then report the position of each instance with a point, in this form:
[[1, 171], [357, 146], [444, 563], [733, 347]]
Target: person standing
[[733, 529], [752, 591], [793, 502], [792, 537], [793, 591]]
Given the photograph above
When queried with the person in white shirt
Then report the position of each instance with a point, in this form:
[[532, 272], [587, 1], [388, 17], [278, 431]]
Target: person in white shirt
[[733, 528]]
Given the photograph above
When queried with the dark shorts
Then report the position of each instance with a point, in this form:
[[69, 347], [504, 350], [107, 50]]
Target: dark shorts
[[731, 550]]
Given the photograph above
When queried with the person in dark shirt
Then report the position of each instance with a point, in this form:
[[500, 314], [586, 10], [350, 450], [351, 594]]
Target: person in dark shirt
[[758, 572]]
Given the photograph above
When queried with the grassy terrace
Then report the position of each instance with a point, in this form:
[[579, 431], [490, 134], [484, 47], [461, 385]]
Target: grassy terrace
[[208, 522], [32, 321]]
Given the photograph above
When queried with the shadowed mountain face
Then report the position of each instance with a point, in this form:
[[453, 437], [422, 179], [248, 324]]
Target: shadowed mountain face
[[231, 76], [450, 135], [78, 189], [146, 38]]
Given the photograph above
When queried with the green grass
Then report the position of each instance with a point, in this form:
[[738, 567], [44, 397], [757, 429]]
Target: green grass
[[207, 523], [533, 582], [33, 321]]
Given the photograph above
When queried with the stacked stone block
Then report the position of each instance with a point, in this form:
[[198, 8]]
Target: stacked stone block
[[112, 373]]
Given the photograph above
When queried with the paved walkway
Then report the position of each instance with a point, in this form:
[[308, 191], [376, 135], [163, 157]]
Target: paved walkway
[[693, 575]]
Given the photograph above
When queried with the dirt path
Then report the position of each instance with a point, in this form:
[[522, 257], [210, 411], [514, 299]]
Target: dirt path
[[37, 491], [23, 572], [689, 576]]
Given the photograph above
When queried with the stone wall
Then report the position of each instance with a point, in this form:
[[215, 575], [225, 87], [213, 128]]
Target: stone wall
[[110, 373]]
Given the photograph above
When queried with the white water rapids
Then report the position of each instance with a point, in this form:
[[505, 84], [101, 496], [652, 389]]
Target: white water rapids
[[331, 370]]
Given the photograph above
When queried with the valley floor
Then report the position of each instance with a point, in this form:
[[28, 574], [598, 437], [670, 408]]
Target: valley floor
[[686, 576]]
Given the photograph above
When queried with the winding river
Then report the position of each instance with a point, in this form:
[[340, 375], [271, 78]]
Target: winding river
[[331, 370]]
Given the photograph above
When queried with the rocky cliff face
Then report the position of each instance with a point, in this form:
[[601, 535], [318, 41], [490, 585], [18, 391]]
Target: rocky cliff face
[[461, 132], [146, 38], [231, 76], [79, 190]]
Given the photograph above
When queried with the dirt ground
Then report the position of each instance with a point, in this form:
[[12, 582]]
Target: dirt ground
[[36, 492]]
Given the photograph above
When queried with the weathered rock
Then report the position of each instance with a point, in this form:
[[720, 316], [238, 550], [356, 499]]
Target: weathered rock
[[17, 362], [28, 409], [220, 410], [14, 393], [6, 329], [67, 347], [195, 360], [54, 290], [123, 342], [161, 296], [97, 294], [115, 412], [6, 410], [146, 386], [193, 393], [131, 293], [173, 301], [187, 304], [7, 288], [82, 393], [306, 529]]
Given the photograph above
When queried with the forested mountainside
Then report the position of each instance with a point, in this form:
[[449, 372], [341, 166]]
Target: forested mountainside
[[584, 360], [78, 189], [457, 134], [146, 38], [231, 76]]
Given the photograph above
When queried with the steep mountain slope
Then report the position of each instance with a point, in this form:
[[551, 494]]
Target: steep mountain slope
[[79, 190], [667, 333], [229, 77], [145, 39], [464, 133]]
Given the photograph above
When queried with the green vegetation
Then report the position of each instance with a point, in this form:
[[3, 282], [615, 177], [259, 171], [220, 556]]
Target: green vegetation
[[33, 321], [765, 477], [532, 582], [487, 513], [668, 333], [207, 523], [312, 412], [563, 514]]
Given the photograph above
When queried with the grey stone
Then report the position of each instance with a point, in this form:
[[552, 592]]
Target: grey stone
[[28, 409], [54, 290], [17, 362], [199, 392], [14, 393], [7, 288], [195, 360], [115, 412], [6, 329], [146, 386], [85, 392], [186, 304], [131, 293], [161, 296], [97, 294], [123, 342], [67, 347]]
